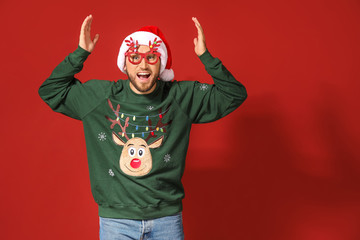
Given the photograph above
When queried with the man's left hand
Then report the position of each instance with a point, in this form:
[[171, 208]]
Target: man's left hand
[[199, 42]]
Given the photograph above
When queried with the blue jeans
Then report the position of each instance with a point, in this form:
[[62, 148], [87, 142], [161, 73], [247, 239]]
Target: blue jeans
[[165, 228]]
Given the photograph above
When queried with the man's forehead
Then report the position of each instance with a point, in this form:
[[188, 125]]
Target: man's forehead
[[144, 47]]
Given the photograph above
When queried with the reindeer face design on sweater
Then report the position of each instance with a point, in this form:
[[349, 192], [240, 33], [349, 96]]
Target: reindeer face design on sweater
[[136, 158]]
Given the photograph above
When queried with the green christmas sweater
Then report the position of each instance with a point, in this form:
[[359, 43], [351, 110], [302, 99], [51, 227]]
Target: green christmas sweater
[[137, 144]]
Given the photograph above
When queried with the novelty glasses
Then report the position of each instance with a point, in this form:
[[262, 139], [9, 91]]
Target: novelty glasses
[[136, 57]]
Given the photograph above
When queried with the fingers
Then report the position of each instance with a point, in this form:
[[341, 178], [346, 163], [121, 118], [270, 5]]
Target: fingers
[[195, 41], [199, 28], [199, 42], [197, 24], [89, 23], [96, 38], [83, 26], [86, 25], [85, 41]]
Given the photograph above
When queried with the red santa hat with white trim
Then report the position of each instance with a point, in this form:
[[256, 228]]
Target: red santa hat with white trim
[[150, 36]]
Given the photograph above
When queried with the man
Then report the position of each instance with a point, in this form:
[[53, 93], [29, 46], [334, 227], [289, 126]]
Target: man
[[137, 130]]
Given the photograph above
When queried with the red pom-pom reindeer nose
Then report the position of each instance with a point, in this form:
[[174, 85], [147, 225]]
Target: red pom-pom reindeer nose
[[135, 163]]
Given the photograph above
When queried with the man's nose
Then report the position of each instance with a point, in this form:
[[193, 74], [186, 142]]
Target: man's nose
[[143, 64]]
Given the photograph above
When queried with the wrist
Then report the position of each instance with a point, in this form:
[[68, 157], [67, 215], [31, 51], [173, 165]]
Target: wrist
[[205, 54], [201, 52], [80, 54], [83, 48], [207, 59]]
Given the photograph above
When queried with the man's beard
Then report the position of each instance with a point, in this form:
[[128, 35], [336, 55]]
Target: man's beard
[[141, 88]]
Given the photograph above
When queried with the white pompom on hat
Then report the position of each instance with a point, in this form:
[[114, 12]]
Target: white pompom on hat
[[150, 36]]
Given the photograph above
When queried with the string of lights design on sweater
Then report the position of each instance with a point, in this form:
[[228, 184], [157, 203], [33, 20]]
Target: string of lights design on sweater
[[123, 120]]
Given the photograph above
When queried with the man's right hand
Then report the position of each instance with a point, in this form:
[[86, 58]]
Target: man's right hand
[[85, 41]]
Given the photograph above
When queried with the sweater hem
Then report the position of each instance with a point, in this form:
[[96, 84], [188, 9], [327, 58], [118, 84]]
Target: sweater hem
[[140, 213]]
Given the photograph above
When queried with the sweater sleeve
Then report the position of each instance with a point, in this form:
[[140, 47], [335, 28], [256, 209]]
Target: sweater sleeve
[[209, 102], [66, 94]]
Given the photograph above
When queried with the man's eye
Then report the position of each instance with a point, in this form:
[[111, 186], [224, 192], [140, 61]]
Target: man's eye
[[151, 57], [135, 57]]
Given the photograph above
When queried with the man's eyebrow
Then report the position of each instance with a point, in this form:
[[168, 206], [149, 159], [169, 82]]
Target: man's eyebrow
[[130, 144], [143, 146]]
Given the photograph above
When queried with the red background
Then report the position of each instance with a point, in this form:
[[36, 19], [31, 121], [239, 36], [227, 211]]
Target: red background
[[284, 166]]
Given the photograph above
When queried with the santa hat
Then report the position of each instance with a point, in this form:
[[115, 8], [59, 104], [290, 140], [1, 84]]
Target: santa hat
[[150, 36]]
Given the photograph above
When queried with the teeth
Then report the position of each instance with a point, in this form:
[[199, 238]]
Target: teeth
[[143, 74]]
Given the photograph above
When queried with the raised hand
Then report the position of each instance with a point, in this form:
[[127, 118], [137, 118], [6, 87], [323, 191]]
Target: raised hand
[[85, 41], [199, 42]]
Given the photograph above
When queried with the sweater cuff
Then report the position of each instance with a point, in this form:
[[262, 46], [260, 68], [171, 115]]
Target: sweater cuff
[[207, 59], [79, 55], [81, 52]]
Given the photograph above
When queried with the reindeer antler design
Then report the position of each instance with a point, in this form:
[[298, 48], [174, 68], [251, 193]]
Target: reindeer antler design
[[133, 46], [117, 120], [154, 45], [150, 128], [158, 126]]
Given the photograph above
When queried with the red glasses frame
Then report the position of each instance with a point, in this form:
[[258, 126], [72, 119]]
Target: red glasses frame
[[143, 55]]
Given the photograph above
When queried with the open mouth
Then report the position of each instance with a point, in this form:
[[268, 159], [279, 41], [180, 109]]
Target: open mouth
[[143, 76]]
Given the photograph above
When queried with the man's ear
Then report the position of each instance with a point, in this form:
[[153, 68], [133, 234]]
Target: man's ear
[[125, 63]]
